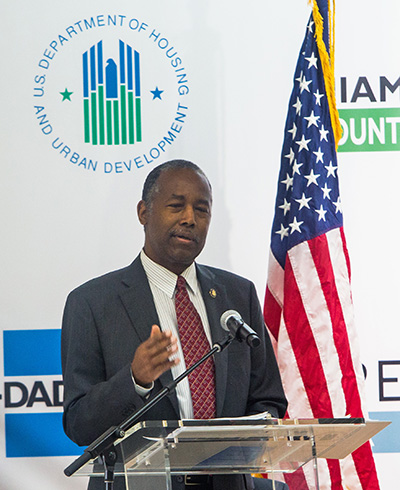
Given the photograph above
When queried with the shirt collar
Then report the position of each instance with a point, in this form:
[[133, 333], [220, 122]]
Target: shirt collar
[[164, 279]]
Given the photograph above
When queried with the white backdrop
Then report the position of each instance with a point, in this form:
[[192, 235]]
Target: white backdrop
[[62, 223]]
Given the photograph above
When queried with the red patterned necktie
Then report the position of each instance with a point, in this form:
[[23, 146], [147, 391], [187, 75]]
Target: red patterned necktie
[[194, 345]]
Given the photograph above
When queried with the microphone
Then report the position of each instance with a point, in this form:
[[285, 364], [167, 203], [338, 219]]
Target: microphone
[[232, 322]]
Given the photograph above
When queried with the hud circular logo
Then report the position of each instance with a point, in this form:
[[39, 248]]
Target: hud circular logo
[[111, 94]]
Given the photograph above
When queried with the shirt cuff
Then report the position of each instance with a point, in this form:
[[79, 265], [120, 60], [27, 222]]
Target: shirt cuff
[[140, 390]]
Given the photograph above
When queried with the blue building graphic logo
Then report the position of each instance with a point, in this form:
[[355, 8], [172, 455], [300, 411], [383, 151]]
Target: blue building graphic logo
[[33, 395], [112, 96]]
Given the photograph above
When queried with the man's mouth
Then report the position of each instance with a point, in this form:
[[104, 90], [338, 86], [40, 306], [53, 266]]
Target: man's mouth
[[184, 237]]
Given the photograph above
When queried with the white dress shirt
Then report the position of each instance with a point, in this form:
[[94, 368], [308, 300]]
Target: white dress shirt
[[163, 284]]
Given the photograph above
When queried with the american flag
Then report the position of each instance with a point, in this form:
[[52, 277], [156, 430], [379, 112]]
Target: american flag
[[308, 304]]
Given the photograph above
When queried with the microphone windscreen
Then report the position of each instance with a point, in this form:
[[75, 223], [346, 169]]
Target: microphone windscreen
[[225, 317]]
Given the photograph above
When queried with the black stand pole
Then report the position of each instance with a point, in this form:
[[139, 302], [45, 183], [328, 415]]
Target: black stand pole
[[109, 458], [104, 445]]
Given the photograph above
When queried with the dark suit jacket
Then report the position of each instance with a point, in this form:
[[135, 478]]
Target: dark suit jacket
[[107, 318]]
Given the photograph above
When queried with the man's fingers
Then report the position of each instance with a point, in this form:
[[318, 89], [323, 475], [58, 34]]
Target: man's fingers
[[164, 354], [155, 332], [158, 340], [155, 356]]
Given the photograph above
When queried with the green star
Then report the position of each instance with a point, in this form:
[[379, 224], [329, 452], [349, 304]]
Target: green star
[[66, 95]]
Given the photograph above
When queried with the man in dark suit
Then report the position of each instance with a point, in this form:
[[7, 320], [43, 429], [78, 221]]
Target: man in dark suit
[[120, 338]]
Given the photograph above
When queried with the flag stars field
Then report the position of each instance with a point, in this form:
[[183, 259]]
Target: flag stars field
[[303, 201], [312, 60], [295, 225], [297, 106], [285, 206], [312, 119], [338, 205], [303, 143], [307, 145], [283, 232], [293, 131], [290, 155], [323, 134], [318, 97], [304, 84], [296, 168], [288, 181], [312, 178], [331, 169], [321, 213], [326, 191], [319, 155]]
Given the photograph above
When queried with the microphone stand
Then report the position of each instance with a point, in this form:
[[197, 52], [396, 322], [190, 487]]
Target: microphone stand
[[104, 446]]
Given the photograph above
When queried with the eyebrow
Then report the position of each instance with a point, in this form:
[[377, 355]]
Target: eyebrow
[[180, 197]]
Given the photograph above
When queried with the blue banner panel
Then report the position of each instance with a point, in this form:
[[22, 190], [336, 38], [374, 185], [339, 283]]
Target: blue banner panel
[[32, 352], [37, 434], [387, 441]]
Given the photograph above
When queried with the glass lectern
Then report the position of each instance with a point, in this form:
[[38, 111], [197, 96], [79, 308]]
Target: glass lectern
[[153, 451]]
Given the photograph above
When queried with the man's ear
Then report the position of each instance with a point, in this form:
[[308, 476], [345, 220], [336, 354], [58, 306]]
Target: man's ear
[[142, 212]]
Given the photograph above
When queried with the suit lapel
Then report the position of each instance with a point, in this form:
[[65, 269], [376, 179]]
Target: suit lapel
[[215, 299], [139, 304]]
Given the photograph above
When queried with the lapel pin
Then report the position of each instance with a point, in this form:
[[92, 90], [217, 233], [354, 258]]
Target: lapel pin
[[212, 293]]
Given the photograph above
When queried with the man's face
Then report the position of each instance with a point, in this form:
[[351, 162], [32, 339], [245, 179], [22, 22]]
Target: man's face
[[176, 223]]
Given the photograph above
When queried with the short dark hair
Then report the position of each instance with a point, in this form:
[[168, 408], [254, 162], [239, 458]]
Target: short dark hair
[[150, 184]]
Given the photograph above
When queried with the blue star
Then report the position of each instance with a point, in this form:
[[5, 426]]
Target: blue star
[[156, 93]]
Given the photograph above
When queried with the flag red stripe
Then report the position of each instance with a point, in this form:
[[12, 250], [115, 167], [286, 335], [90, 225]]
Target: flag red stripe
[[335, 474], [367, 474], [297, 480], [272, 313]]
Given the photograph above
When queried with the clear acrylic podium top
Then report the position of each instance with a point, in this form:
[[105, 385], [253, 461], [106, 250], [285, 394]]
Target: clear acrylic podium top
[[221, 446]]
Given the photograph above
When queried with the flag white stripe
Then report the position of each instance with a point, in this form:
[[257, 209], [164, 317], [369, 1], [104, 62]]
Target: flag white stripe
[[276, 278], [349, 473], [323, 475]]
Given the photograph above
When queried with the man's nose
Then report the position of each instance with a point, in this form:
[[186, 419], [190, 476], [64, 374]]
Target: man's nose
[[188, 216]]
